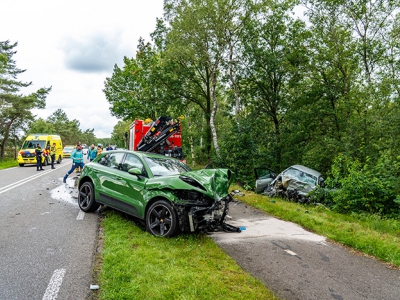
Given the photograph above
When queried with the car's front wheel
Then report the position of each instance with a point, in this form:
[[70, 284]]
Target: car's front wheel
[[161, 219], [86, 200]]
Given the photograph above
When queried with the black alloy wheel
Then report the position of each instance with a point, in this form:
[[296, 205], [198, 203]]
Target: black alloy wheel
[[161, 219], [86, 200]]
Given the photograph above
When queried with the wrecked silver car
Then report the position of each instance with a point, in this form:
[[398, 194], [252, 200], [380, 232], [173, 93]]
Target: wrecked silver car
[[295, 183]]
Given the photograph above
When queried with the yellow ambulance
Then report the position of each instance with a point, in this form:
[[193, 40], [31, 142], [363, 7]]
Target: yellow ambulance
[[27, 153]]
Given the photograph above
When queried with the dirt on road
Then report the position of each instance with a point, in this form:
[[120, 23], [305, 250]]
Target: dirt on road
[[297, 264]]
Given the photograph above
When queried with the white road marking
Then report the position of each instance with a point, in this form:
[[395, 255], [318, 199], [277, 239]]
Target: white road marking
[[25, 180], [54, 285], [81, 215]]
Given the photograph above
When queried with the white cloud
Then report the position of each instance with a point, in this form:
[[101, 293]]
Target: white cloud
[[73, 46]]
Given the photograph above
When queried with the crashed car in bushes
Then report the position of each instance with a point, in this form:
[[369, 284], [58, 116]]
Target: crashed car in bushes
[[295, 183], [161, 191]]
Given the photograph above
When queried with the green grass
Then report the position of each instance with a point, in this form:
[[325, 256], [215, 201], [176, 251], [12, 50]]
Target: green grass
[[8, 163], [137, 265], [369, 234]]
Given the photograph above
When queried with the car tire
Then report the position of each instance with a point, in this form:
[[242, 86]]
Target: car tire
[[86, 200], [59, 160], [45, 162], [161, 219], [21, 165]]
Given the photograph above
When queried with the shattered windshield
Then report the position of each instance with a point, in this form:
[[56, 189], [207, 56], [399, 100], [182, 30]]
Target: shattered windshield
[[301, 176]]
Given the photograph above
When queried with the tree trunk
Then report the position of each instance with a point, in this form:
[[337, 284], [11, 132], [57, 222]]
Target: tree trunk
[[213, 113], [192, 150]]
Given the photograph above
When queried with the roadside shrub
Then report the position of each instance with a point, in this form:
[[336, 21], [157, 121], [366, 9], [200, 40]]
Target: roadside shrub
[[368, 187]]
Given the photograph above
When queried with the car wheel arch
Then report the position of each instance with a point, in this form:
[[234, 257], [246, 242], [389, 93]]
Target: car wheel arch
[[155, 199], [161, 214], [87, 196]]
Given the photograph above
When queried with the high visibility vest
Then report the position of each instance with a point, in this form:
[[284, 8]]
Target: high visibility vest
[[53, 150]]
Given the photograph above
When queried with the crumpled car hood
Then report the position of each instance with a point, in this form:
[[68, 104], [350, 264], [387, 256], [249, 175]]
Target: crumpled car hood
[[302, 188], [215, 181]]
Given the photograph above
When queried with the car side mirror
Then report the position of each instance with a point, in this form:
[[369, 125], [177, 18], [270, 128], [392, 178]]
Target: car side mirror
[[135, 171]]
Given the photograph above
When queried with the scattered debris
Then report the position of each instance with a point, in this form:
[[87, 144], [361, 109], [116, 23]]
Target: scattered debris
[[237, 193]]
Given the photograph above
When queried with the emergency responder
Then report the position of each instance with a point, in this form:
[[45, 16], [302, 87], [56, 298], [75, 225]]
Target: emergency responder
[[38, 152], [77, 161], [53, 150], [99, 149]]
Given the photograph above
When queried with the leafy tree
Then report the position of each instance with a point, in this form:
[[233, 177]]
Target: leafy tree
[[275, 56], [132, 91], [118, 134], [41, 126], [68, 130], [15, 108], [198, 41]]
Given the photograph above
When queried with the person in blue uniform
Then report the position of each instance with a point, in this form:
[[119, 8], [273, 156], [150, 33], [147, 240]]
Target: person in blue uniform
[[38, 152]]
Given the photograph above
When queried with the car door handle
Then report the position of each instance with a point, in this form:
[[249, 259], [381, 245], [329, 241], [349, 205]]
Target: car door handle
[[117, 177]]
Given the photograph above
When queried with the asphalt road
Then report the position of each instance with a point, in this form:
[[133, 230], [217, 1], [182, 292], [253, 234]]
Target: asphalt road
[[297, 264], [46, 242]]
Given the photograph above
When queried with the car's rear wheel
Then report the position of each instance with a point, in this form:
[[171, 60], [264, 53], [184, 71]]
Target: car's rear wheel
[[161, 219], [86, 200], [59, 159]]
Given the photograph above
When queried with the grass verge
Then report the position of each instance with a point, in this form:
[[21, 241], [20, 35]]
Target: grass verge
[[137, 265], [8, 163]]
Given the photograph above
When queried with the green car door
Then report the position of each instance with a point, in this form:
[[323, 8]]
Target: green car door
[[119, 188]]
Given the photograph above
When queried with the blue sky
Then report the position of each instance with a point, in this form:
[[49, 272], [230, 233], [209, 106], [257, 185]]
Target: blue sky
[[73, 46]]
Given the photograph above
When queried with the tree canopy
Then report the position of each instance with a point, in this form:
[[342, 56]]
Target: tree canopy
[[15, 108]]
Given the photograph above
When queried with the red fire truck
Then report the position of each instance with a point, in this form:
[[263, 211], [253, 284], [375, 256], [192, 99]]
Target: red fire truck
[[162, 136]]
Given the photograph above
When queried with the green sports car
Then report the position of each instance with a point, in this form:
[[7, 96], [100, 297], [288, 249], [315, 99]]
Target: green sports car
[[161, 191]]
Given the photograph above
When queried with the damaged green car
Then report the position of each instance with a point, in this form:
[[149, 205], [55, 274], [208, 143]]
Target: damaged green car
[[162, 192]]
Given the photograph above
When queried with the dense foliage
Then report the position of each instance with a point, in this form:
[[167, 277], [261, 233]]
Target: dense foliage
[[260, 85]]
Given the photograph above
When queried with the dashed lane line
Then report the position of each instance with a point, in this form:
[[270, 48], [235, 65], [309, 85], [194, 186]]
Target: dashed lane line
[[54, 285]]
